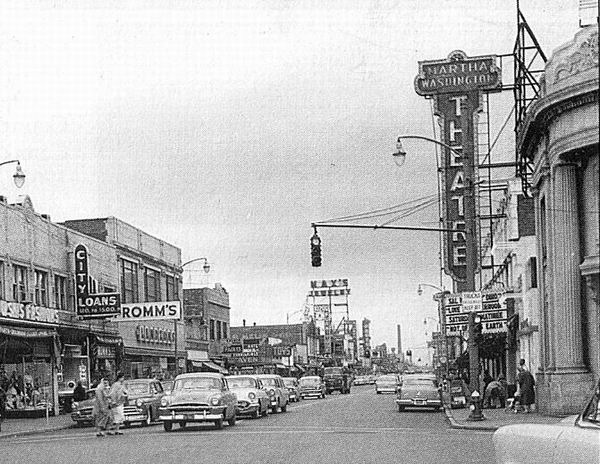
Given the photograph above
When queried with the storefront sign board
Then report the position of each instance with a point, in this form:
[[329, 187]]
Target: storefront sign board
[[164, 310]]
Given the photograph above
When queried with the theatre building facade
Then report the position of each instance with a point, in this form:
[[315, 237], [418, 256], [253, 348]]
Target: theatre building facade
[[559, 139]]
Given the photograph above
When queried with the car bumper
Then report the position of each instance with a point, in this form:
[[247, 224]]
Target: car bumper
[[247, 409], [419, 403], [386, 389], [211, 414]]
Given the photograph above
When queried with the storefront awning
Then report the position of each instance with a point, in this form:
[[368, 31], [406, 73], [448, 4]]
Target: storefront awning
[[27, 332], [197, 355], [300, 368], [280, 366], [108, 340], [209, 365]]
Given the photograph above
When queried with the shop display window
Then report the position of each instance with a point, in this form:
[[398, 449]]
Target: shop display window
[[28, 384]]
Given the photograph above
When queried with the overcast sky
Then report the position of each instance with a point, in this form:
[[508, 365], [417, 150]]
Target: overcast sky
[[226, 128]]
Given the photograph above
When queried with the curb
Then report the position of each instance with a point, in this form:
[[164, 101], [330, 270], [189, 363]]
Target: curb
[[35, 431], [458, 425]]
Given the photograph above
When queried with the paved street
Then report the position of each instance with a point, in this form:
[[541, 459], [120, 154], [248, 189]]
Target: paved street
[[360, 427]]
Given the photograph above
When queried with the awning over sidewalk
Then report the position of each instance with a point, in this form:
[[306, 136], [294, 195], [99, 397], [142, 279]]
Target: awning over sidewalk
[[210, 366]]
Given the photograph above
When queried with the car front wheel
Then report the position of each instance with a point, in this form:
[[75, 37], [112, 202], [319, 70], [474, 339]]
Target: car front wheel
[[168, 426]]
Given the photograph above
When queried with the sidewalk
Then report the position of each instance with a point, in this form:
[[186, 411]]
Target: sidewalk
[[17, 427], [494, 418]]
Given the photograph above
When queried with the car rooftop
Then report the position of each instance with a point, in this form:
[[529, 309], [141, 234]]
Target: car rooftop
[[199, 374]]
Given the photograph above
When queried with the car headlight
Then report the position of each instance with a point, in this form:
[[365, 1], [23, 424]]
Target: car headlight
[[139, 403], [252, 395], [215, 401], [165, 401]]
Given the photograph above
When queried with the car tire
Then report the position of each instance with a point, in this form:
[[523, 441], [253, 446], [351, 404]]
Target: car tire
[[182, 424], [400, 408], [284, 408], [232, 420], [168, 426]]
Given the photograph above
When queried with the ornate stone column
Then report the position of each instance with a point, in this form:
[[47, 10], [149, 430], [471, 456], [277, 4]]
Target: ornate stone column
[[567, 277]]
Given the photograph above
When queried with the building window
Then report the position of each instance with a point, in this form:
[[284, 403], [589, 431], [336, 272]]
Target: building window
[[172, 288], [129, 282], [152, 284], [20, 284], [60, 292], [212, 329], [533, 272], [41, 288], [218, 330], [224, 329]]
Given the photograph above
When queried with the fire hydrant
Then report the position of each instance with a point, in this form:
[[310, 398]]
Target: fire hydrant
[[475, 407]]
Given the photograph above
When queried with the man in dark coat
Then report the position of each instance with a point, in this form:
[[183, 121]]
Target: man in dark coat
[[79, 393]]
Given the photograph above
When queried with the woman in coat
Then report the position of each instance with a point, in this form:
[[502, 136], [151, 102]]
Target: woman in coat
[[102, 405], [526, 388]]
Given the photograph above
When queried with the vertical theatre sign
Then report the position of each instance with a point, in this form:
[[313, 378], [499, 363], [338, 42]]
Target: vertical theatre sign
[[89, 303], [456, 85]]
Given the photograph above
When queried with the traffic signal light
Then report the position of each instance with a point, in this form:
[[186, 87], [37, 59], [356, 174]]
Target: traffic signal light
[[315, 250], [478, 330]]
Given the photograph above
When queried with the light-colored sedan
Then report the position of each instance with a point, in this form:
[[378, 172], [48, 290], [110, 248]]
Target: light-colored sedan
[[388, 383], [277, 391], [312, 386], [574, 440], [198, 397], [253, 401], [418, 392]]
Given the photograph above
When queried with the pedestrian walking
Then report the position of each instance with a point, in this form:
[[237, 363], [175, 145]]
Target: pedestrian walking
[[118, 396], [101, 412], [526, 384], [79, 393]]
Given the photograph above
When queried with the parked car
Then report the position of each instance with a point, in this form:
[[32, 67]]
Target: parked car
[[198, 397], [252, 399], [389, 383], [81, 411], [292, 385], [359, 380], [371, 378], [419, 392], [167, 385], [312, 386], [143, 401], [337, 378], [277, 391], [576, 439]]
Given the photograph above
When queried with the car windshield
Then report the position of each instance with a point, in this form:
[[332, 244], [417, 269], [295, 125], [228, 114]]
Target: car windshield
[[289, 382], [197, 383], [137, 388], [310, 381], [333, 371], [241, 382], [418, 383], [269, 381]]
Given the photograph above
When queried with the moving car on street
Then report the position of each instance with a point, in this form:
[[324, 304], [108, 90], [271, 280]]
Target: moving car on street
[[337, 378], [277, 391], [418, 392], [574, 440], [292, 385], [312, 386], [143, 401], [360, 380], [252, 399], [199, 397], [81, 411], [388, 383]]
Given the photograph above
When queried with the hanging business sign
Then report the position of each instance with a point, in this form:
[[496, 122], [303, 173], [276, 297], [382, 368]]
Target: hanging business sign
[[91, 305], [456, 85], [490, 307], [149, 311]]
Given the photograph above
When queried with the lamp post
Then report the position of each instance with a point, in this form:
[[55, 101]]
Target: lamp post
[[18, 176], [206, 269], [469, 214]]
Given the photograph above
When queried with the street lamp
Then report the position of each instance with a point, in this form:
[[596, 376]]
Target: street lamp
[[206, 269], [18, 176]]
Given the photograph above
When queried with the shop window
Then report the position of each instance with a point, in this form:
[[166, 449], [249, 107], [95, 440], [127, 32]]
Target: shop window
[[218, 330], [41, 288], [20, 284], [129, 281], [152, 284], [212, 329], [60, 292], [172, 288]]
